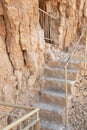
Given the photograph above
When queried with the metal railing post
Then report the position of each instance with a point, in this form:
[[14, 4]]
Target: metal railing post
[[66, 100], [0, 124], [6, 121], [65, 70], [20, 126], [85, 53], [37, 125], [37, 115]]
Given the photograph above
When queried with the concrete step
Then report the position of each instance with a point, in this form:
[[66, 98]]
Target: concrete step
[[61, 64], [59, 73], [46, 125], [56, 84], [53, 97], [50, 112]]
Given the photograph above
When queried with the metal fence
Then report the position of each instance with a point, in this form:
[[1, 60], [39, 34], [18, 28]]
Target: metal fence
[[18, 117], [47, 23]]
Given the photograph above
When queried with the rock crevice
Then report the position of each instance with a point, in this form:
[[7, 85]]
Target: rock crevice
[[22, 46]]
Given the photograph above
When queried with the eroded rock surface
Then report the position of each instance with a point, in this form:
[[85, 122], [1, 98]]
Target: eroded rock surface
[[21, 49], [78, 110], [71, 16]]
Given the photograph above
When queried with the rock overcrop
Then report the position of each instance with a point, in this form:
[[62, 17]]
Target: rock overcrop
[[78, 110]]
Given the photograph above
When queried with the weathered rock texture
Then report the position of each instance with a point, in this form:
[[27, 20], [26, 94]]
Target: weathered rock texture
[[71, 17], [22, 46], [21, 49], [78, 112]]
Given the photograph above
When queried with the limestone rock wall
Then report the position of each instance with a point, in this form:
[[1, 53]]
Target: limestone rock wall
[[71, 17], [21, 49], [78, 110]]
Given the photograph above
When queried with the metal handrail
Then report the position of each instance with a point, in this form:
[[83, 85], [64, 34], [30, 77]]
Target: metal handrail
[[85, 52], [32, 117], [65, 68], [16, 106], [47, 13], [76, 46], [17, 122]]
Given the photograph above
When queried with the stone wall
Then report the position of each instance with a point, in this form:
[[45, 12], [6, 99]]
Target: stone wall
[[21, 49]]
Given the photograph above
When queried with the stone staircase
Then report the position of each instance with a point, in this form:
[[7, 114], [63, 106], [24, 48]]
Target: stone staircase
[[52, 95]]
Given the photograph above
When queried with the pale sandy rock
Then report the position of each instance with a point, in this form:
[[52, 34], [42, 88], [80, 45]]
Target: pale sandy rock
[[23, 48], [71, 16], [78, 110], [85, 9], [7, 79], [2, 27], [1, 9]]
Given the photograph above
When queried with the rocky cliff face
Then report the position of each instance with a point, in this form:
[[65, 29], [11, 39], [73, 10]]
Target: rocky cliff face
[[71, 16], [22, 45], [21, 49], [22, 40], [78, 111]]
